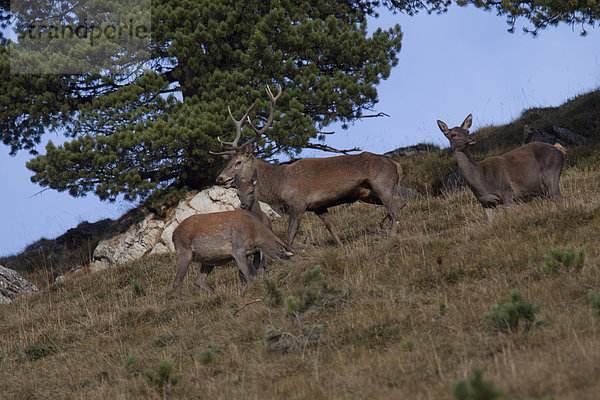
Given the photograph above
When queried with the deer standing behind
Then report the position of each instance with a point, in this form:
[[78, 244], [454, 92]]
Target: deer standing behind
[[313, 184], [217, 238], [532, 169], [246, 194]]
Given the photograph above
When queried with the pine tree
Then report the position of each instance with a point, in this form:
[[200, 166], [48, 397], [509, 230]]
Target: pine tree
[[138, 131]]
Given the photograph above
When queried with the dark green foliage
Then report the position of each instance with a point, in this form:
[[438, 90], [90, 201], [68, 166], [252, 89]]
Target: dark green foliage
[[476, 389], [39, 350], [164, 340], [138, 288], [540, 14], [311, 275], [208, 355], [275, 296], [163, 376], [507, 316], [131, 136], [284, 342], [557, 260], [129, 363], [595, 302]]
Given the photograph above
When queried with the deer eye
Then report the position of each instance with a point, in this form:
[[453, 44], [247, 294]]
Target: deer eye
[[237, 164]]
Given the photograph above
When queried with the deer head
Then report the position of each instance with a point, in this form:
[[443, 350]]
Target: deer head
[[242, 156], [459, 136], [246, 191]]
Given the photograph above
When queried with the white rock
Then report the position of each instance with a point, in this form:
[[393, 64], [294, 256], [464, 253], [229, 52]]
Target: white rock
[[138, 240], [13, 285]]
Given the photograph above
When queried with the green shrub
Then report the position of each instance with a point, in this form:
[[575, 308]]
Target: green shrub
[[208, 355], [507, 316], [138, 288], [39, 350], [595, 301], [275, 297], [129, 363], [163, 377], [557, 260], [476, 389], [164, 340]]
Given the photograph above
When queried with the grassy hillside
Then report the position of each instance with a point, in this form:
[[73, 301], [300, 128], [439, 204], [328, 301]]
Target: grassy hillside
[[383, 317]]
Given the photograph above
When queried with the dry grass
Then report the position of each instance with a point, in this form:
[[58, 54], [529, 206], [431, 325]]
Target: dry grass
[[400, 325]]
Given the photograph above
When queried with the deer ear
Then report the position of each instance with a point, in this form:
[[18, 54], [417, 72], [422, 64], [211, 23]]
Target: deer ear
[[443, 127], [237, 180], [467, 122], [254, 177]]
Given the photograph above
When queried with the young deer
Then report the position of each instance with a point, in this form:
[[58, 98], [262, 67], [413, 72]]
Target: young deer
[[245, 192], [216, 238], [529, 170]]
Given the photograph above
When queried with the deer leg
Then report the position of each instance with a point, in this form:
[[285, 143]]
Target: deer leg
[[553, 188], [385, 194], [324, 215], [201, 278], [239, 255], [293, 226], [184, 258], [252, 266], [490, 214], [260, 260]]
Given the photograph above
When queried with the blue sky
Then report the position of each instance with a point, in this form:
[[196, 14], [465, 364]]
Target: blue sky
[[450, 65]]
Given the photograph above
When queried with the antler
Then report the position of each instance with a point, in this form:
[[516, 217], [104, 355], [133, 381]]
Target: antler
[[238, 133], [233, 145], [271, 112]]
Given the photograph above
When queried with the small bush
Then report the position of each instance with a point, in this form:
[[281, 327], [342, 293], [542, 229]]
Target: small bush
[[507, 317], [275, 297], [129, 363], [595, 301], [163, 377], [36, 351], [557, 260], [476, 389], [164, 340], [280, 341], [138, 288], [208, 355], [312, 275]]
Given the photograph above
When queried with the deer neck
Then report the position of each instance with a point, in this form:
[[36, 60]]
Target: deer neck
[[270, 178], [468, 167]]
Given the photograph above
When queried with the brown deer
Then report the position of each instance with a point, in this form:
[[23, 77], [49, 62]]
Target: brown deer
[[313, 184], [246, 194], [217, 238], [529, 170]]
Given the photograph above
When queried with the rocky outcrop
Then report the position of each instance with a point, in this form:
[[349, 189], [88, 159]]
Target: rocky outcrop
[[408, 151], [13, 285], [558, 135], [141, 232], [133, 236]]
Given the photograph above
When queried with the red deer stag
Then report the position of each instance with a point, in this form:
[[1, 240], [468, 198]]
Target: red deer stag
[[246, 194], [313, 184], [216, 238], [529, 170]]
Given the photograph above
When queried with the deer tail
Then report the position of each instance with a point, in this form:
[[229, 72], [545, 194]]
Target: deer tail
[[559, 147]]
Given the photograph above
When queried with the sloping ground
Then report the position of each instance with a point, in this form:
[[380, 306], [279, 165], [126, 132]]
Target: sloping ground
[[381, 318], [390, 322]]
